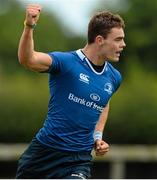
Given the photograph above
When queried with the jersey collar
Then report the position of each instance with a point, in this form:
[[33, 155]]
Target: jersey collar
[[83, 57]]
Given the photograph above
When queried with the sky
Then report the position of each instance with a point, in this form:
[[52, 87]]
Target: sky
[[68, 11]]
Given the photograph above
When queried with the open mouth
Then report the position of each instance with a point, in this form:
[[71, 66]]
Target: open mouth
[[118, 53]]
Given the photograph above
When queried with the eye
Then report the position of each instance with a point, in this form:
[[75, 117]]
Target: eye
[[119, 39]]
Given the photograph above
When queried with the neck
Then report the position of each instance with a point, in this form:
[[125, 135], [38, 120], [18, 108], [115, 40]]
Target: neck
[[92, 54]]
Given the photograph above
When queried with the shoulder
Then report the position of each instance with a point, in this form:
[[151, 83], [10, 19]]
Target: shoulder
[[61, 61], [62, 55], [115, 74]]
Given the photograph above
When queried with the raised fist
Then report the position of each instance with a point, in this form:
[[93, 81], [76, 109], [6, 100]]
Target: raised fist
[[32, 13]]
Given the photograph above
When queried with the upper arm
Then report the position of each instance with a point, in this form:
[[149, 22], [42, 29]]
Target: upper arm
[[39, 62], [53, 62]]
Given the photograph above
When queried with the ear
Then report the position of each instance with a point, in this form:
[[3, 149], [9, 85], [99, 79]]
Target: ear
[[99, 40]]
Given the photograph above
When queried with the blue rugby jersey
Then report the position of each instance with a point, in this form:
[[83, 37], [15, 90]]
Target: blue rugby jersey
[[78, 96]]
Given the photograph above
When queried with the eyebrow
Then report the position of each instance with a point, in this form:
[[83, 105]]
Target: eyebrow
[[120, 37]]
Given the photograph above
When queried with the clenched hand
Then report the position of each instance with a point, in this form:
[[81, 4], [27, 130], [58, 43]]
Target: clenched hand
[[32, 13], [101, 147]]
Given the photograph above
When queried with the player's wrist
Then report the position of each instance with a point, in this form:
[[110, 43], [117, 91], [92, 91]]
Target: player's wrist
[[31, 26], [97, 135]]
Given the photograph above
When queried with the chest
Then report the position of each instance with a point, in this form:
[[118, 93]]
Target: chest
[[83, 85]]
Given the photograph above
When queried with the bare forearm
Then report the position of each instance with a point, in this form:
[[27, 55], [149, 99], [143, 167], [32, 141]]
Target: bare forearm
[[33, 60], [26, 46], [102, 119], [101, 147]]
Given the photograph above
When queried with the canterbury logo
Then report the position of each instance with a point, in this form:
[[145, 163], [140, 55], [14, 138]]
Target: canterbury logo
[[84, 78]]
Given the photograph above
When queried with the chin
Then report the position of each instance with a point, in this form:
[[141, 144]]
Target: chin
[[114, 59]]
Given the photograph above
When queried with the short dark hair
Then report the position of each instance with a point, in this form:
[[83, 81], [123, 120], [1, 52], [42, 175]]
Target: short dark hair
[[102, 23]]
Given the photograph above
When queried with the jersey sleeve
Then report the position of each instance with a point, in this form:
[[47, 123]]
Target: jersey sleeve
[[118, 80], [60, 62], [115, 76], [56, 63]]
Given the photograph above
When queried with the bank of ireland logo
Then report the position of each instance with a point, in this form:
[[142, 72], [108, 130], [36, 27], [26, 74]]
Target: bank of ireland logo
[[84, 78], [95, 97], [108, 88]]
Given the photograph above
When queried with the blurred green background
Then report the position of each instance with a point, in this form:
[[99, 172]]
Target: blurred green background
[[24, 94]]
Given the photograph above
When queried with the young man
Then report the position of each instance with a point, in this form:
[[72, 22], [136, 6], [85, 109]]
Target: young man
[[81, 84]]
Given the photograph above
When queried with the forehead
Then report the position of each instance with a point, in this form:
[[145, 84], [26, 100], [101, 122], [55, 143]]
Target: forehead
[[116, 32]]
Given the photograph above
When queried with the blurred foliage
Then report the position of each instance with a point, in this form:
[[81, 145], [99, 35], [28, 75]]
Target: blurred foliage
[[141, 29], [23, 105], [49, 34], [24, 94], [132, 117]]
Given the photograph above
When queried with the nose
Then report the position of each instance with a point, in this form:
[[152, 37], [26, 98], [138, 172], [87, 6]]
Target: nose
[[123, 44]]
